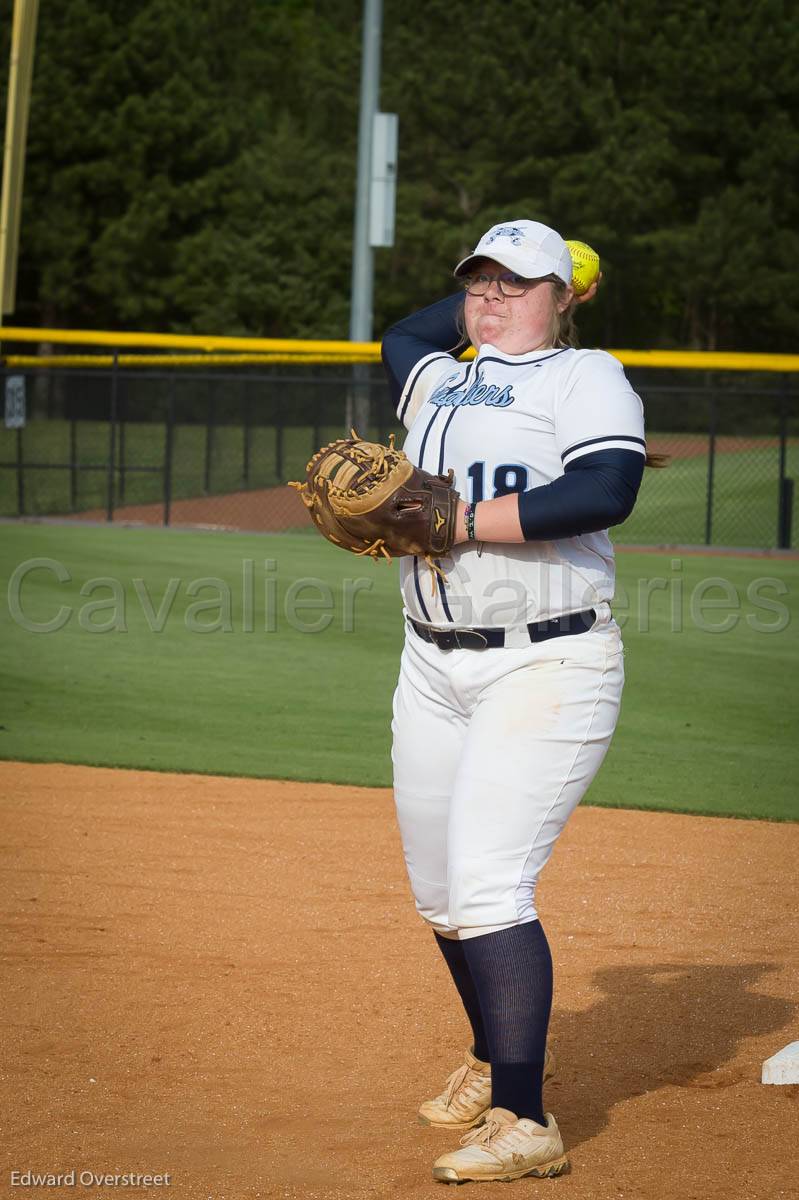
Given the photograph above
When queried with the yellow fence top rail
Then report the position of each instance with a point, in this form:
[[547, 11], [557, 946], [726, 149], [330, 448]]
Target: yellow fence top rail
[[707, 360], [185, 341], [95, 361], [217, 351]]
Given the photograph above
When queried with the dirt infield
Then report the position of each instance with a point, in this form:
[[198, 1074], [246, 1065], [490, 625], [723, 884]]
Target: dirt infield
[[266, 510], [225, 980]]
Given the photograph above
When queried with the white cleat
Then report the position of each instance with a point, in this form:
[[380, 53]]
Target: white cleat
[[467, 1095], [505, 1148]]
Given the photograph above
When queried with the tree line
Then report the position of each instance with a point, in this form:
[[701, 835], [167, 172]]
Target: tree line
[[192, 167]]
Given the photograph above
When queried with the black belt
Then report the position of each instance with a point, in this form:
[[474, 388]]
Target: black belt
[[484, 639]]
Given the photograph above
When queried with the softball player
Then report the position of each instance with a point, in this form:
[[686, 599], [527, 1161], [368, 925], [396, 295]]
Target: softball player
[[511, 675]]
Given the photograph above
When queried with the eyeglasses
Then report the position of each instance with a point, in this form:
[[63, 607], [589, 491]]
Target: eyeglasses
[[508, 283]]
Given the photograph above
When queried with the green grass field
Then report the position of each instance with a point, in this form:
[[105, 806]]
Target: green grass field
[[671, 508], [708, 721]]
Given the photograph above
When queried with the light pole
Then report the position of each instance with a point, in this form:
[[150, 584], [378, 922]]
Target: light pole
[[374, 204], [362, 255]]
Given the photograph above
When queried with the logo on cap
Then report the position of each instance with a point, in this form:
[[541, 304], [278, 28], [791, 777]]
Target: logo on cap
[[512, 232]]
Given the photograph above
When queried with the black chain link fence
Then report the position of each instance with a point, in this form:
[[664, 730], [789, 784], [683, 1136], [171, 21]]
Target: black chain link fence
[[214, 448]]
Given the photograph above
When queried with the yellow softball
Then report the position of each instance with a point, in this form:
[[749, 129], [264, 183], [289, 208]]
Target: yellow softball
[[585, 266]]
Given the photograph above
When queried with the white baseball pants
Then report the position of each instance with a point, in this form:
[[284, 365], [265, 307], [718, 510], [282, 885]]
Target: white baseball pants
[[493, 749]]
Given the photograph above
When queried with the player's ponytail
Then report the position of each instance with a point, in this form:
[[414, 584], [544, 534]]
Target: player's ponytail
[[564, 330]]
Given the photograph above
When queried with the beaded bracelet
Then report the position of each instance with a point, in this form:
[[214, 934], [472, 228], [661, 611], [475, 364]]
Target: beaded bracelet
[[468, 517]]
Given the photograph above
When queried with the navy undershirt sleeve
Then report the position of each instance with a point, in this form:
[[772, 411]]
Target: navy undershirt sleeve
[[597, 491], [422, 333]]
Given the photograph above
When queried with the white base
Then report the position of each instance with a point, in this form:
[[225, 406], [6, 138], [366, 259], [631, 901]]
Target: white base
[[782, 1067]]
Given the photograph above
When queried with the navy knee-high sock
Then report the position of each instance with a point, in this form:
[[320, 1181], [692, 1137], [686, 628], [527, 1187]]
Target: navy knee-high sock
[[512, 974], [452, 949]]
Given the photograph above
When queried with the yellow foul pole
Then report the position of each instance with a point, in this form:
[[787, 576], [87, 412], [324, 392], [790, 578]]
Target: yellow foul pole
[[23, 34]]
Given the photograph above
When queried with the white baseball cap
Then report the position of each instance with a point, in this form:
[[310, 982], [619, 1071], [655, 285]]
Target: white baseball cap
[[529, 248]]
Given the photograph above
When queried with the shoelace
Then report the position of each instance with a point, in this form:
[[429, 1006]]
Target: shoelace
[[454, 1082], [485, 1132]]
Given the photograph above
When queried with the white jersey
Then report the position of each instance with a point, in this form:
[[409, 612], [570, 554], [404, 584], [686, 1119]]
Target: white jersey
[[507, 423]]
